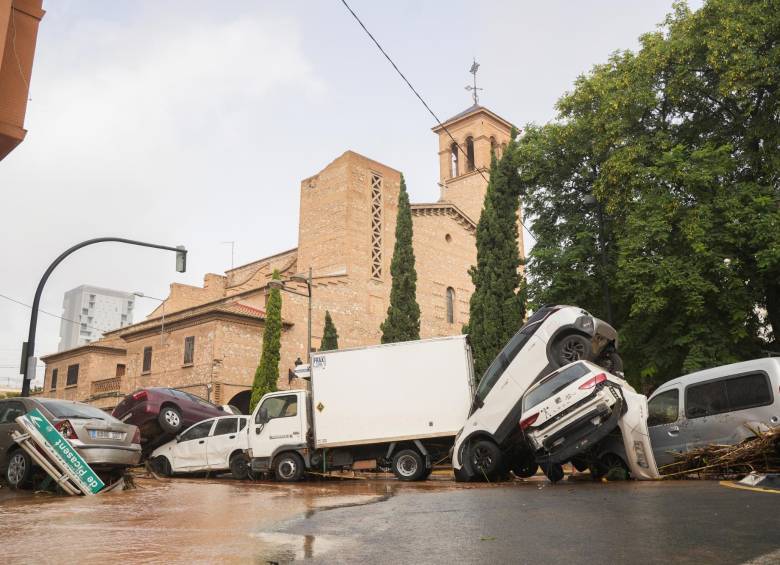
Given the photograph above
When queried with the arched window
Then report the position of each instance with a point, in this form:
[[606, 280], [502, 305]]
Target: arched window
[[494, 147], [470, 153], [453, 160], [450, 305]]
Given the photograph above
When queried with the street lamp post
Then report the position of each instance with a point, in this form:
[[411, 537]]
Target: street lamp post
[[162, 323], [273, 283], [28, 348]]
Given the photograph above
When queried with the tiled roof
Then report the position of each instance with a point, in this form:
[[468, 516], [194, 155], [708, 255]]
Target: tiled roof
[[472, 110]]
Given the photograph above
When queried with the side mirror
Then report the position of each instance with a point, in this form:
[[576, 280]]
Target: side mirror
[[178, 438]]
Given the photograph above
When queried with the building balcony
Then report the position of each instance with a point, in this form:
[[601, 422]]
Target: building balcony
[[105, 387]]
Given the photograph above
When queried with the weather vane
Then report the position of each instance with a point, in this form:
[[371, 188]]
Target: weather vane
[[473, 89]]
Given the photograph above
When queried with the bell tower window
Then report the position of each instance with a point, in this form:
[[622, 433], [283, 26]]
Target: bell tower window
[[376, 226], [453, 160], [450, 305], [470, 153], [494, 147]]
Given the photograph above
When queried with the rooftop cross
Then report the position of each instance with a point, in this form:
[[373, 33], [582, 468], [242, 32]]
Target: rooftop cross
[[474, 94]]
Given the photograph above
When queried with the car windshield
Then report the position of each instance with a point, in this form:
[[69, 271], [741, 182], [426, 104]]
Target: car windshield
[[553, 384], [510, 351], [75, 410]]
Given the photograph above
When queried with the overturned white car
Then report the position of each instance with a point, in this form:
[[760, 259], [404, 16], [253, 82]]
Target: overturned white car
[[589, 417]]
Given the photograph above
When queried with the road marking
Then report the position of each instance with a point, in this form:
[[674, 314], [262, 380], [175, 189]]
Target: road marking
[[729, 484]]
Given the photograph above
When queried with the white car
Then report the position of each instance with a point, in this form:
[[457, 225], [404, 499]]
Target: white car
[[216, 444], [491, 442], [570, 416]]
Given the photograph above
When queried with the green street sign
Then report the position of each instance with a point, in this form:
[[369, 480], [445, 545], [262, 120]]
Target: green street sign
[[60, 447]]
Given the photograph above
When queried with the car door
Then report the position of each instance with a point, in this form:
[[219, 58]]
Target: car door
[[707, 413], [221, 443], [189, 454], [665, 425], [277, 422], [9, 411]]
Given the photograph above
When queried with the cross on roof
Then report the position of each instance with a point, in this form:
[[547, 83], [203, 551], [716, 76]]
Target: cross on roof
[[474, 90]]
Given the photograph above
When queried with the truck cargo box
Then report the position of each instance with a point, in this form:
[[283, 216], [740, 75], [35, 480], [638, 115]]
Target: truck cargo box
[[410, 390]]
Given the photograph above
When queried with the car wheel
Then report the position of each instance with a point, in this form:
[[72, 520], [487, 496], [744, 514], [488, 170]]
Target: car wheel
[[19, 469], [524, 467], [612, 362], [288, 467], [485, 458], [553, 471], [580, 464], [408, 465], [571, 348], [239, 466], [162, 466], [170, 419]]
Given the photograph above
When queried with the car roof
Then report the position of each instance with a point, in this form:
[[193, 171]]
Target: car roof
[[769, 364]]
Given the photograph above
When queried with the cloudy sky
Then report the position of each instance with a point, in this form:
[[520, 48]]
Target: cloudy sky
[[188, 123]]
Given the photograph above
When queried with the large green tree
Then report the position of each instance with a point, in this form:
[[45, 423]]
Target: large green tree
[[403, 315], [497, 306], [330, 337], [267, 372], [677, 150]]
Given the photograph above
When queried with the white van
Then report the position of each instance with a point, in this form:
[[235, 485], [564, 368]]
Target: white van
[[722, 405]]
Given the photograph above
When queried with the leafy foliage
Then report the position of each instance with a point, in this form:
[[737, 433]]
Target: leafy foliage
[[403, 315], [497, 306], [678, 145], [267, 372], [330, 337]]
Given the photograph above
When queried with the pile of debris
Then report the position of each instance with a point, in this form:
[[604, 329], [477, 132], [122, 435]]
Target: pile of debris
[[759, 454]]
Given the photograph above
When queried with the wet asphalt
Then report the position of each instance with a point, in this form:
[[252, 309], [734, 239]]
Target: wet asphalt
[[385, 521]]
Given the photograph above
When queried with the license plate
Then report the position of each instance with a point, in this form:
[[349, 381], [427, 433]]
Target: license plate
[[104, 434]]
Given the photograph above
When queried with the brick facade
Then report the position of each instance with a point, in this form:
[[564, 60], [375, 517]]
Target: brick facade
[[346, 236]]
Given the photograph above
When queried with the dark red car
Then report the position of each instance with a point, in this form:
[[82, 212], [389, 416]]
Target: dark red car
[[163, 412]]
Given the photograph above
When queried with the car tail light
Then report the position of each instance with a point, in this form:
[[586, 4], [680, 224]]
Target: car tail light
[[590, 383], [524, 424], [140, 395], [66, 429], [137, 436]]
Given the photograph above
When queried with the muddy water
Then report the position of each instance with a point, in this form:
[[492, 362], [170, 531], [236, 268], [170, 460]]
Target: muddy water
[[179, 520]]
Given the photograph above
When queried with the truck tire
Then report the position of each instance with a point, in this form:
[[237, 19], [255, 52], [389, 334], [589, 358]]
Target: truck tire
[[553, 471], [239, 466], [570, 348], [486, 459], [288, 467], [408, 465]]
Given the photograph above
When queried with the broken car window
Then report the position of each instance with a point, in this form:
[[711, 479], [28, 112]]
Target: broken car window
[[664, 408]]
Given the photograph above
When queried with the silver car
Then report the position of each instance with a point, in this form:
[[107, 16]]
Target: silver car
[[723, 405], [104, 442]]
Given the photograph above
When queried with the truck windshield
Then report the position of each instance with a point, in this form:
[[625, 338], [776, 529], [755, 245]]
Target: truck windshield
[[510, 351], [554, 384]]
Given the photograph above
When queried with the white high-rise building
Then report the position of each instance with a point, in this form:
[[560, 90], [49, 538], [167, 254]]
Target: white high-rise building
[[89, 311]]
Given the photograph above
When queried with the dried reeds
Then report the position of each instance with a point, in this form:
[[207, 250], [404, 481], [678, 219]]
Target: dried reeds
[[760, 454]]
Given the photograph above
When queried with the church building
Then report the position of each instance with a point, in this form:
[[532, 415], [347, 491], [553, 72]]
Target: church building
[[208, 339]]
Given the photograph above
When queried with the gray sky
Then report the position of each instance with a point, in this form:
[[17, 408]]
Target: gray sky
[[188, 123]]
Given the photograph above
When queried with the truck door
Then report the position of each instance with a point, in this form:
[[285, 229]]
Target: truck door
[[278, 420]]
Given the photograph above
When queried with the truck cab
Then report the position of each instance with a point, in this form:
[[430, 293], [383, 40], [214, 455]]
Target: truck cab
[[277, 433]]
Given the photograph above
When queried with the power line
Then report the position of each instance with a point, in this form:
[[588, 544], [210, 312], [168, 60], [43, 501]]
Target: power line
[[417, 94], [50, 314]]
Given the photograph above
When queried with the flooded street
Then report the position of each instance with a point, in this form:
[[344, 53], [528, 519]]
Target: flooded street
[[438, 521]]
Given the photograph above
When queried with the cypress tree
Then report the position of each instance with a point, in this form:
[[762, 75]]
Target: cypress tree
[[330, 337], [497, 307], [403, 314], [267, 372]]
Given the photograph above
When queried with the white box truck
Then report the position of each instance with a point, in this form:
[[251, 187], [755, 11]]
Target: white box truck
[[394, 406]]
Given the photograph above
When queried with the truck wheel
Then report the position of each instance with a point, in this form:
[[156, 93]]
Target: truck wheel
[[485, 458], [553, 471], [571, 348], [288, 467], [239, 466], [170, 419], [19, 469], [408, 465]]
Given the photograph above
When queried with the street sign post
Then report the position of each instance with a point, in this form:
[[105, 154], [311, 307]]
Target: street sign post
[[57, 446]]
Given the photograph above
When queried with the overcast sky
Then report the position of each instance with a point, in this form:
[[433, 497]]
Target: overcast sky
[[188, 123]]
